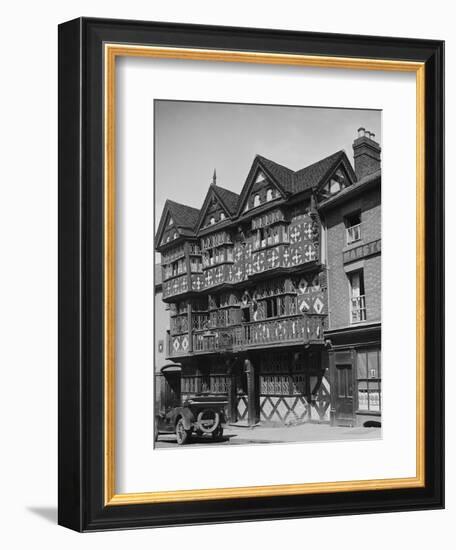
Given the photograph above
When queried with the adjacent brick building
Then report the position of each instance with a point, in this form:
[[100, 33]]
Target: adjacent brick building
[[352, 221], [257, 287]]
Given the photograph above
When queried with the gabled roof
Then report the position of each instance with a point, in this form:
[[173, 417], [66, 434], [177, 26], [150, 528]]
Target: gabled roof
[[352, 190], [228, 198], [311, 176], [281, 174], [281, 177], [183, 216], [291, 182], [188, 219]]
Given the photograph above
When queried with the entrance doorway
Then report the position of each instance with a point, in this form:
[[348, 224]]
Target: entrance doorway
[[344, 395]]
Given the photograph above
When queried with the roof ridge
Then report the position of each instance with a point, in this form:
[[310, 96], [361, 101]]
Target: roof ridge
[[312, 174], [170, 201], [228, 198], [274, 162], [218, 187], [183, 214], [321, 160]]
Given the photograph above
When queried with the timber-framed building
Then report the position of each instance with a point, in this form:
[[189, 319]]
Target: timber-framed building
[[246, 280]]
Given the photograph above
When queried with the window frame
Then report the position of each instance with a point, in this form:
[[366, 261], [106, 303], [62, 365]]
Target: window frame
[[362, 309], [349, 225], [377, 380]]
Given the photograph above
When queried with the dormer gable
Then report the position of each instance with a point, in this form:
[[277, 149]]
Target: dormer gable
[[267, 181], [339, 178], [219, 205], [177, 220]]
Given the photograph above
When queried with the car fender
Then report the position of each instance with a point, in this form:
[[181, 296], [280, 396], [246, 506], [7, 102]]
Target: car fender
[[186, 415]]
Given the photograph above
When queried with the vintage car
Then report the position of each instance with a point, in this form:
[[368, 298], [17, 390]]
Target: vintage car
[[202, 414]]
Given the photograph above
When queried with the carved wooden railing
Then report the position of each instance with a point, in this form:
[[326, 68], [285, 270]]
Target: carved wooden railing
[[267, 332], [296, 328], [213, 340]]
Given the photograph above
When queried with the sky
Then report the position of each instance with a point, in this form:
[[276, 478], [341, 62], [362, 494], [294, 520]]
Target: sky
[[192, 139]]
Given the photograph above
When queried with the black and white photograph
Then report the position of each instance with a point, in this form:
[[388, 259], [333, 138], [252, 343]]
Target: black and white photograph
[[268, 274]]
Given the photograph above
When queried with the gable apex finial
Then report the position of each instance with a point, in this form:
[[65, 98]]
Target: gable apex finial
[[214, 178]]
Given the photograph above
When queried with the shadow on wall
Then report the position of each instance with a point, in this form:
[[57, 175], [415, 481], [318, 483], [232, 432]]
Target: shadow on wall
[[48, 513]]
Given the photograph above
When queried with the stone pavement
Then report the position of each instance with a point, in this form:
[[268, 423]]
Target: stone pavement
[[236, 435]]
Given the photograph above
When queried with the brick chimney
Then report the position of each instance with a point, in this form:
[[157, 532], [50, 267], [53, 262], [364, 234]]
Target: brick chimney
[[366, 153]]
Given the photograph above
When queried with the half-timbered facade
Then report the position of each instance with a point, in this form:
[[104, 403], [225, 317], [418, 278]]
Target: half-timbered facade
[[245, 279]]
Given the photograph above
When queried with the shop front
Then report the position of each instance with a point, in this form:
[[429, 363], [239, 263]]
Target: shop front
[[355, 376]]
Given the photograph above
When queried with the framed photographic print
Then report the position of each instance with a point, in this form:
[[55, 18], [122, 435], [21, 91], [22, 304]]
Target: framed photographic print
[[250, 274]]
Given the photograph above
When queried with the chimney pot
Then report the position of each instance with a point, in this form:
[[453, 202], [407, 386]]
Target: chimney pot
[[366, 153]]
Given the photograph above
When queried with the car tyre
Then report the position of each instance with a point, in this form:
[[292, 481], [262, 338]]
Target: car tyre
[[182, 434]]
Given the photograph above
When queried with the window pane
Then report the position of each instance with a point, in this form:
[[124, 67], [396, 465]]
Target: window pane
[[374, 385], [374, 401], [335, 186], [362, 365], [362, 385], [363, 403], [354, 282], [372, 361]]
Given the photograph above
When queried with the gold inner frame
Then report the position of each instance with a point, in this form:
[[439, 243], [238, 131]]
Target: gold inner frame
[[111, 52]]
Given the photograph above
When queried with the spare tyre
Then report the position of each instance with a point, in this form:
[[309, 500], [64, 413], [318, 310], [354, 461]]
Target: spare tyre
[[208, 420]]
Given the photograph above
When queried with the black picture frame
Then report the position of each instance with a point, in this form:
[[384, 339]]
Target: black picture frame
[[81, 472]]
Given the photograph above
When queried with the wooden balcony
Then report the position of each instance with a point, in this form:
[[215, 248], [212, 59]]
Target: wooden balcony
[[212, 341], [216, 276], [174, 287], [267, 333], [280, 331]]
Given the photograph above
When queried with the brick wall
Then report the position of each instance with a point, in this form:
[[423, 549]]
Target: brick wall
[[369, 205], [365, 165]]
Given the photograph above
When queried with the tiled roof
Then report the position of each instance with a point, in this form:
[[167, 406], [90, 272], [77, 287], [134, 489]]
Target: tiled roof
[[311, 176], [282, 174], [370, 177], [351, 189], [184, 217], [306, 178], [228, 198], [187, 218]]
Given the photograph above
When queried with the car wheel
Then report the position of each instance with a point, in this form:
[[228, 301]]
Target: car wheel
[[182, 434]]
